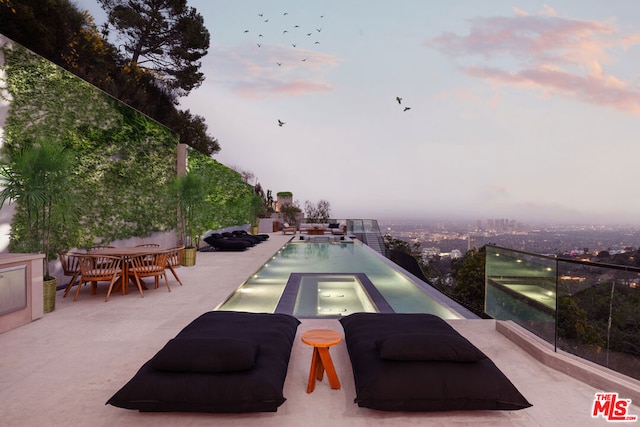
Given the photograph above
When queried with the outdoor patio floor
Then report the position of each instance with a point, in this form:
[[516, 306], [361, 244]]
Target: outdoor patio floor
[[61, 369]]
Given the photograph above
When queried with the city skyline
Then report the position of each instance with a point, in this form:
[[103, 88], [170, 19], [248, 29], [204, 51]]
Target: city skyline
[[526, 110]]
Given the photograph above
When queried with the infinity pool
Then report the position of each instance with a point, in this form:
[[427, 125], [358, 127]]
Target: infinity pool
[[346, 277]]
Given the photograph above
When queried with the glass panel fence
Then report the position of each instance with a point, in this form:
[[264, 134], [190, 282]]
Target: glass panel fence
[[588, 309], [521, 287], [599, 315]]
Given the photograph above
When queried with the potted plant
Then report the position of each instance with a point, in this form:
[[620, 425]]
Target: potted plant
[[188, 194], [37, 177], [257, 210]]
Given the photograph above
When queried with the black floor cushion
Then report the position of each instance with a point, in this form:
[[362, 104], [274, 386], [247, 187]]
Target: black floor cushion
[[418, 362], [248, 357]]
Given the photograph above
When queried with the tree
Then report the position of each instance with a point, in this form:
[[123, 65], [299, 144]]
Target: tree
[[165, 37], [317, 213], [469, 274], [68, 37], [290, 212], [193, 132], [188, 194]]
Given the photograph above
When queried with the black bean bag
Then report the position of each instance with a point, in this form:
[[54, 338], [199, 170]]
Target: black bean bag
[[418, 362], [260, 237], [218, 242], [223, 361], [250, 241]]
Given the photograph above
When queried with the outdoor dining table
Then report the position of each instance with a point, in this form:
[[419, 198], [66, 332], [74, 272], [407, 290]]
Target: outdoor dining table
[[125, 253]]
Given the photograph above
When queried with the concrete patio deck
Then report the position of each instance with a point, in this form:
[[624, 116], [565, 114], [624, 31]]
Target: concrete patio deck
[[61, 369]]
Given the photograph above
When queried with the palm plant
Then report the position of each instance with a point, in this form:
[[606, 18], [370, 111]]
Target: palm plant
[[37, 178]]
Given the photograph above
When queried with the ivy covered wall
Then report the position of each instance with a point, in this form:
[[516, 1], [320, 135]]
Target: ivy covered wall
[[125, 160], [229, 196]]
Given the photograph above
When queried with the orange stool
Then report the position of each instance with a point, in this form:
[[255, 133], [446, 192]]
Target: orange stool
[[321, 340]]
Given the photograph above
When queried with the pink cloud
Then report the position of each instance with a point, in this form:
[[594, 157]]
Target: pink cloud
[[591, 89], [258, 72], [264, 87], [555, 54]]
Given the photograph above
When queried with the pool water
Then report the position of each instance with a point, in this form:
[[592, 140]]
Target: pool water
[[262, 292]]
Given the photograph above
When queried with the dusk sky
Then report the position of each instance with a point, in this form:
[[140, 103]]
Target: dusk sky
[[518, 109]]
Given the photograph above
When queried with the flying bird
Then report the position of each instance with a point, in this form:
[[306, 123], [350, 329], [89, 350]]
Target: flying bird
[[399, 100], [259, 45], [406, 108], [260, 14], [281, 123], [246, 31], [279, 64], [309, 34], [293, 44], [319, 29]]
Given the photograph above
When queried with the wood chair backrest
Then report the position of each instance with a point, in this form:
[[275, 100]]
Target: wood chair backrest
[[148, 263], [95, 268], [174, 256], [70, 263]]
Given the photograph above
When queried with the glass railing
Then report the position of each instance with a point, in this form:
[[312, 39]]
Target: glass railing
[[362, 226], [588, 309]]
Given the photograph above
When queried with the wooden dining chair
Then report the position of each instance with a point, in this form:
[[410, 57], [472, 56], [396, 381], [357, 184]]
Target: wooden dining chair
[[174, 260], [99, 268], [70, 267], [149, 265]]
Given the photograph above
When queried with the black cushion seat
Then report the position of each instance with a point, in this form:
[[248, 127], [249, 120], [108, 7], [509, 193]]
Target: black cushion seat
[[223, 361], [217, 241], [418, 362], [231, 236], [261, 237]]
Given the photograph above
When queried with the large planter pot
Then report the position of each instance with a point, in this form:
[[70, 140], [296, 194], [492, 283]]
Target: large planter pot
[[189, 257], [49, 292]]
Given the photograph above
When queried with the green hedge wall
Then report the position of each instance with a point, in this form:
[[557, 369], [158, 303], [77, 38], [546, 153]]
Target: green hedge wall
[[229, 196], [125, 160]]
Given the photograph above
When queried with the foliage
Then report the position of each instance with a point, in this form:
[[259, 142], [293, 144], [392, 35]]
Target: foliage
[[257, 209], [187, 194], [468, 273], [290, 212], [284, 194], [573, 323], [164, 37], [124, 159], [37, 177], [393, 244], [68, 37], [193, 132], [317, 213], [600, 304], [229, 198]]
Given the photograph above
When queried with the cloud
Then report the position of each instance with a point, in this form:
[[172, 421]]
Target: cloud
[[257, 72], [604, 91], [555, 54]]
